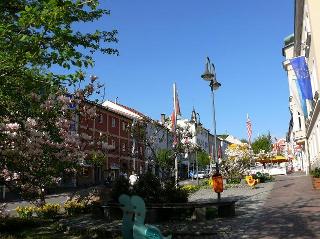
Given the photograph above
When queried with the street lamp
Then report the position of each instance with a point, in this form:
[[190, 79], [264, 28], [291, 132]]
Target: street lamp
[[198, 126], [210, 75]]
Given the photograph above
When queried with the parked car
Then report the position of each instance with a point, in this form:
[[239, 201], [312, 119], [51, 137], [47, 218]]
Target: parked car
[[201, 174]]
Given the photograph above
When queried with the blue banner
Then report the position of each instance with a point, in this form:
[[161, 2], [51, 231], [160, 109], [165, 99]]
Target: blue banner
[[301, 70]]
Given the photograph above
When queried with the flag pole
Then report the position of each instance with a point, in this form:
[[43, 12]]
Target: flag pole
[[175, 123]]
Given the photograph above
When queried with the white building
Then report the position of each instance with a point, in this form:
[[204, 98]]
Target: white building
[[305, 130]]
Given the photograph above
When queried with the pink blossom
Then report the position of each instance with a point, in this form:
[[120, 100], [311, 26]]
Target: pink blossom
[[12, 126]]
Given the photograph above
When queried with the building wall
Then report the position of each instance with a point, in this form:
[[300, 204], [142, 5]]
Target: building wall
[[306, 43], [115, 128]]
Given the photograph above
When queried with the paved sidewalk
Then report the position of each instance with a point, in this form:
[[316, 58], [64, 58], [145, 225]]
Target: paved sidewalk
[[291, 210]]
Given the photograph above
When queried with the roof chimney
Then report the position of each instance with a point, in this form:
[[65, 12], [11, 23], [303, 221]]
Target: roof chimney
[[163, 118]]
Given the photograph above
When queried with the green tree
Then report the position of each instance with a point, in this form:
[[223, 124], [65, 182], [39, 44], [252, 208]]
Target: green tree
[[165, 160], [42, 57], [203, 159], [263, 142], [36, 35], [244, 141]]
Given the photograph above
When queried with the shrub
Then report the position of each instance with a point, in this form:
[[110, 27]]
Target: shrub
[[73, 207], [48, 210], [148, 187], [172, 194], [25, 212], [233, 180], [316, 172], [190, 188], [120, 185], [263, 177]]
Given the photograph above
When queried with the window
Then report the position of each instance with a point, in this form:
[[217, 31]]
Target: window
[[123, 147], [100, 118], [113, 143], [113, 122], [123, 126], [85, 172]]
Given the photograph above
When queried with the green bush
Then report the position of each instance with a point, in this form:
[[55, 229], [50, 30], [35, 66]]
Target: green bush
[[120, 186], [316, 172], [233, 180], [190, 188], [25, 212], [73, 207], [148, 187], [263, 177], [48, 210], [172, 194]]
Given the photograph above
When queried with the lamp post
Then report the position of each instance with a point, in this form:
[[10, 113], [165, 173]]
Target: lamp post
[[210, 75], [197, 125]]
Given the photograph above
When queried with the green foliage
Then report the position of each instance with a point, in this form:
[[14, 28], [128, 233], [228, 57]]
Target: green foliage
[[41, 55], [316, 172], [165, 159], [244, 141], [172, 194], [263, 177], [25, 212], [97, 158], [203, 159], [73, 207], [148, 187], [263, 142], [48, 210], [233, 180], [190, 188], [120, 186]]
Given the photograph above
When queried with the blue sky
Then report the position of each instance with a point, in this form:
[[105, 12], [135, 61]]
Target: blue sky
[[162, 42]]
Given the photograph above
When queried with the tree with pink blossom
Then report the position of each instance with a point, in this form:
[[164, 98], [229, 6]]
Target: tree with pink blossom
[[39, 104]]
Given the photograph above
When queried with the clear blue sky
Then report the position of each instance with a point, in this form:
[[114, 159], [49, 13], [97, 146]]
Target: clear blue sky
[[162, 42]]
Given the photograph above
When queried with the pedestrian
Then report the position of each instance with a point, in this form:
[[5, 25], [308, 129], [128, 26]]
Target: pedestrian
[[133, 178]]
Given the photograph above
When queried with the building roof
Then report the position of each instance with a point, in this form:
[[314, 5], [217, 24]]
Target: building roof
[[133, 114], [289, 40]]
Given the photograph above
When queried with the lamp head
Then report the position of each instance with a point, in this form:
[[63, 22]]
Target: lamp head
[[207, 75], [215, 85]]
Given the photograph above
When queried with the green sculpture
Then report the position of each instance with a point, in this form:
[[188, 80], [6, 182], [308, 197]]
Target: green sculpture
[[137, 228], [127, 218]]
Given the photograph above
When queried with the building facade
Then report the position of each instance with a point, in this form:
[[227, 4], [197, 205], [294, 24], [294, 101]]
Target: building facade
[[112, 126], [304, 134]]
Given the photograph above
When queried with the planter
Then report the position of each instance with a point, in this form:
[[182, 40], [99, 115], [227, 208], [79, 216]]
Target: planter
[[316, 182]]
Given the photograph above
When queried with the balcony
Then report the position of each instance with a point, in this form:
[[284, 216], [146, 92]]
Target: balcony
[[299, 135]]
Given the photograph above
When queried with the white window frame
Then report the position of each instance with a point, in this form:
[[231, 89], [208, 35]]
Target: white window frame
[[113, 122]]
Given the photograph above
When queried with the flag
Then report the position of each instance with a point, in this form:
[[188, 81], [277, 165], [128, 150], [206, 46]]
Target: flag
[[176, 108], [300, 67], [301, 70], [249, 129], [175, 113]]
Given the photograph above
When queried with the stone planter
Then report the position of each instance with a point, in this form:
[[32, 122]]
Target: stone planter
[[316, 182]]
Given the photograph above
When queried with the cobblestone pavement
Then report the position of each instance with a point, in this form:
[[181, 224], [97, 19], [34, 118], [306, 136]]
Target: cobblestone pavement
[[249, 202], [286, 208], [291, 210]]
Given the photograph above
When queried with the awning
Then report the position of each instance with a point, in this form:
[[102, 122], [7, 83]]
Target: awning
[[277, 159]]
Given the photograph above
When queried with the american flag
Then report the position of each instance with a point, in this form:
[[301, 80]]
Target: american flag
[[249, 129]]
